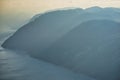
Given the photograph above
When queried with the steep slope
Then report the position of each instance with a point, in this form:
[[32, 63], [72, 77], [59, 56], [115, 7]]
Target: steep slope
[[45, 29], [92, 48], [83, 41]]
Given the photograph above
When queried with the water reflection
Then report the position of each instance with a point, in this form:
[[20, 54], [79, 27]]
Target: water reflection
[[19, 66]]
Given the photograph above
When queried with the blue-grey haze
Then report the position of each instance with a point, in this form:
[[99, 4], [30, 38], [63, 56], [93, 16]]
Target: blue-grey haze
[[73, 44]]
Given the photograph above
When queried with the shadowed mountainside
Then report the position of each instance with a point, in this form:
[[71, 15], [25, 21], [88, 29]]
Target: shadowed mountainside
[[84, 41]]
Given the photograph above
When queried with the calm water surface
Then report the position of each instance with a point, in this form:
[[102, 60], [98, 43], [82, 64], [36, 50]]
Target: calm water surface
[[16, 65]]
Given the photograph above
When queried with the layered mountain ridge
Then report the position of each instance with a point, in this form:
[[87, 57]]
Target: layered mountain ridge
[[84, 41]]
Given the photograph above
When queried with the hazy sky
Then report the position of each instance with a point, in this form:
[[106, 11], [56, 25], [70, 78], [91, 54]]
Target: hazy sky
[[36, 6], [14, 12]]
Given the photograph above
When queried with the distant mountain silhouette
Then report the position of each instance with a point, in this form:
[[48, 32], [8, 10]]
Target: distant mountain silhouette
[[84, 41]]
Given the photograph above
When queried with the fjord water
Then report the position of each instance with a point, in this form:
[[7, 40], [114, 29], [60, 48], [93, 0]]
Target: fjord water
[[17, 65]]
